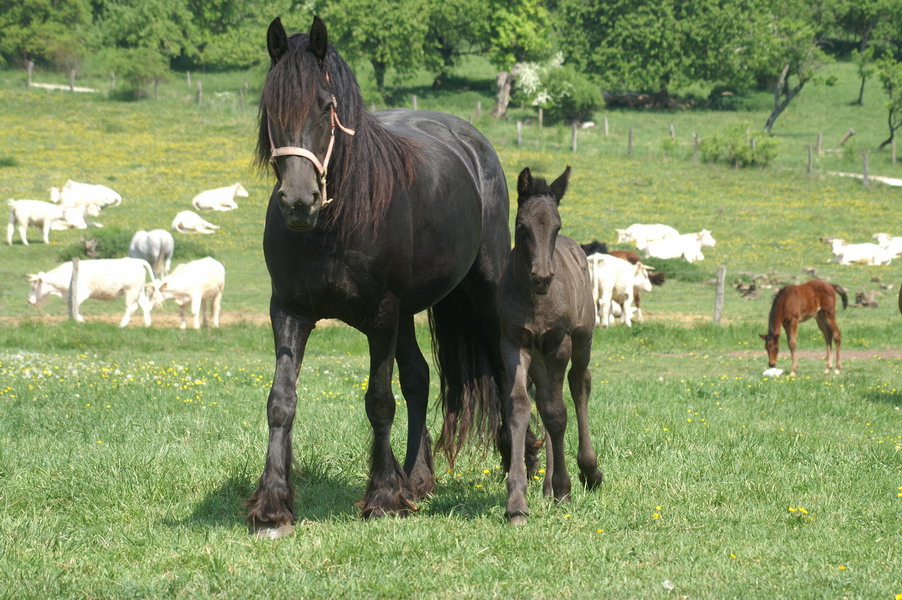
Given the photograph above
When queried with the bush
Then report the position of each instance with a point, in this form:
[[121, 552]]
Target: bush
[[736, 146], [569, 95], [114, 243]]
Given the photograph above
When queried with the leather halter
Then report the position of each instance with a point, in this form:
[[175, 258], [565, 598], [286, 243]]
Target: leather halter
[[322, 168]]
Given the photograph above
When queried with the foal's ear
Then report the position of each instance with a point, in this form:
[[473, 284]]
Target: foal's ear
[[762, 336], [319, 39], [276, 40], [524, 182], [559, 186]]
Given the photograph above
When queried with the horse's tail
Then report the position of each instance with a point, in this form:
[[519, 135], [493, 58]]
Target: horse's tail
[[470, 395], [842, 294]]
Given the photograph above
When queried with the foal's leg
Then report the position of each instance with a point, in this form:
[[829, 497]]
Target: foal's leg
[[550, 402], [270, 511], [518, 405], [821, 319], [836, 336], [791, 331], [387, 491], [580, 380], [413, 373]]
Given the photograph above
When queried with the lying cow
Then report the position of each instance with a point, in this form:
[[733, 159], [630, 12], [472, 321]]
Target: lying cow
[[221, 199], [155, 246], [640, 234], [865, 254], [198, 284], [74, 193], [615, 280], [101, 279], [46, 216], [688, 246], [892, 244], [189, 221]]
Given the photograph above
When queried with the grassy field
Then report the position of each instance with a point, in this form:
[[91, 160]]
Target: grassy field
[[125, 454]]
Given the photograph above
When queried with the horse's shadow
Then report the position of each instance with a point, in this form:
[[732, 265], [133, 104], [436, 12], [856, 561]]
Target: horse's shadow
[[892, 398]]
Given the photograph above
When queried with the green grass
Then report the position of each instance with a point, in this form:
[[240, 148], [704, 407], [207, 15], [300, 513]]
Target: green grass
[[125, 454]]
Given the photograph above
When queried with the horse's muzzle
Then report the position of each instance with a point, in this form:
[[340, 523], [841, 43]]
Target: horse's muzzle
[[299, 215]]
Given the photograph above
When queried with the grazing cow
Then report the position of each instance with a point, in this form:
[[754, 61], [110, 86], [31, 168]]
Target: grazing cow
[[197, 284], [865, 254], [46, 216], [615, 280], [101, 279], [189, 221], [654, 278], [688, 246], [74, 193], [221, 199], [641, 235], [155, 246], [892, 244]]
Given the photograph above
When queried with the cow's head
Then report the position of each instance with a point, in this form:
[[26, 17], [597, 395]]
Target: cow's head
[[640, 278], [39, 290], [154, 292], [706, 239]]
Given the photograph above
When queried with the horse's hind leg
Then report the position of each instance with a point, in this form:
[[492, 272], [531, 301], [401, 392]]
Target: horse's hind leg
[[827, 323], [387, 491], [270, 511], [580, 380], [413, 373]]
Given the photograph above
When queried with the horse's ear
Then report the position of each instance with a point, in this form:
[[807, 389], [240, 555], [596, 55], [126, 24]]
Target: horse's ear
[[559, 187], [524, 182], [276, 40], [319, 39]]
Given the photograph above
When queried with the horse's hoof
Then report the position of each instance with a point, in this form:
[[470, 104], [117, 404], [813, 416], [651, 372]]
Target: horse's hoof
[[593, 481], [518, 519], [274, 533]]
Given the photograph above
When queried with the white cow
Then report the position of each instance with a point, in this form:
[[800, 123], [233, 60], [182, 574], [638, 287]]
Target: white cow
[[155, 246], [101, 279], [46, 216], [198, 284], [865, 254], [74, 193], [189, 221], [892, 244], [641, 235], [221, 199], [614, 280], [688, 245]]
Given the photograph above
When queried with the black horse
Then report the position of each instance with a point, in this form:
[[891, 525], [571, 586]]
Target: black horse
[[419, 221]]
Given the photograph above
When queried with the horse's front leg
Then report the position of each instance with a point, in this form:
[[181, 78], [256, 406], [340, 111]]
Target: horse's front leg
[[413, 373], [387, 492], [270, 511], [791, 331]]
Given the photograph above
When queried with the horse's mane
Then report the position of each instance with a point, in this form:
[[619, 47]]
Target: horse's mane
[[364, 168], [773, 327]]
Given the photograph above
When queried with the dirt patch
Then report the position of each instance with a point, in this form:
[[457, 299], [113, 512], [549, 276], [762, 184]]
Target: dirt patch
[[819, 354]]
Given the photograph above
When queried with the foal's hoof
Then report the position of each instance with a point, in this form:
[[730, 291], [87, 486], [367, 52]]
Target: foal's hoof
[[517, 519], [273, 533], [592, 481]]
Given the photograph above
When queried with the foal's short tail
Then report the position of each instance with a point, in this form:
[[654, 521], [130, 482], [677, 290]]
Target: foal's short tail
[[471, 399], [842, 294]]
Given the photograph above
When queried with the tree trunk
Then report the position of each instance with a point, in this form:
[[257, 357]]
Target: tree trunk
[[860, 101], [892, 131], [379, 69], [503, 96], [783, 95]]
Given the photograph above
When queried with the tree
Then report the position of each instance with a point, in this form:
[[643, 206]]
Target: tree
[[455, 28], [387, 34], [40, 30], [163, 26], [890, 73]]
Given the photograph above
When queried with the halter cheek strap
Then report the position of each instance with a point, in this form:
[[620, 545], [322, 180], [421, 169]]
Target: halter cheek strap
[[322, 168]]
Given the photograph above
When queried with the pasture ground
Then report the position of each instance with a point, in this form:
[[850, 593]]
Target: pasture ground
[[125, 454]]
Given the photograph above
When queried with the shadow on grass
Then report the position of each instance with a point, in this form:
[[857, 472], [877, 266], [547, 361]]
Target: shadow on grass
[[892, 398]]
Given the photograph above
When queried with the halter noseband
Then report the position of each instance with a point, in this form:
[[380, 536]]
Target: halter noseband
[[322, 168]]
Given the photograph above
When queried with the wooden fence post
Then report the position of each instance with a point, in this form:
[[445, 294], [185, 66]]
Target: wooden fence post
[[156, 88], [574, 136], [241, 93], [188, 77], [892, 151], [71, 80], [519, 133], [810, 159], [695, 141], [73, 287], [672, 132], [718, 293], [629, 143], [415, 102], [29, 69], [541, 117], [605, 126], [200, 92], [820, 144], [864, 157], [478, 108], [113, 81], [846, 136]]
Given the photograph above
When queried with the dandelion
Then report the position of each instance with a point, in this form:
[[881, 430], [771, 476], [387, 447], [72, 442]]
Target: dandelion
[[655, 516], [732, 555], [599, 531], [841, 567]]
